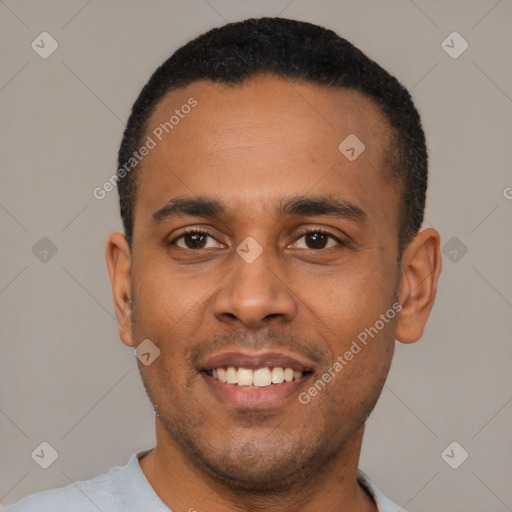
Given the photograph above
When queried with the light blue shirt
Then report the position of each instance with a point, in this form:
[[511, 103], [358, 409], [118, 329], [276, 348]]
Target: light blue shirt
[[126, 489]]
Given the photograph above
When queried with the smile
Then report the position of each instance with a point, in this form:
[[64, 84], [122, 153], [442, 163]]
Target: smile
[[254, 378]]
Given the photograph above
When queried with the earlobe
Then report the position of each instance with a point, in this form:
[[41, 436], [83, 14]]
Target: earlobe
[[119, 268], [421, 267]]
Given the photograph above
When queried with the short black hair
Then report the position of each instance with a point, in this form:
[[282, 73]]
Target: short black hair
[[295, 50]]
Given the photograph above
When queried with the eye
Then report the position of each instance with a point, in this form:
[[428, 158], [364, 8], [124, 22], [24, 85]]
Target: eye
[[319, 239], [192, 239], [196, 239]]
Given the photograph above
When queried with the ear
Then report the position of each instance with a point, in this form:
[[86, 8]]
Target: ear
[[420, 270], [119, 267]]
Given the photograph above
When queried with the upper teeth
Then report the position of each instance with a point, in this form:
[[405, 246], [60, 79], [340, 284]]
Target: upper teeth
[[260, 377]]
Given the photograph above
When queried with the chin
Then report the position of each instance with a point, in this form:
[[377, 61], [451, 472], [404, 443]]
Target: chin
[[260, 478], [263, 461]]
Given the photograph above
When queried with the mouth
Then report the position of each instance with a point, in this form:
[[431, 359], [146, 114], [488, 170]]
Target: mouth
[[258, 378], [255, 382]]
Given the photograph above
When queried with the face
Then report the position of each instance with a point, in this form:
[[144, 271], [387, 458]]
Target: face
[[293, 258]]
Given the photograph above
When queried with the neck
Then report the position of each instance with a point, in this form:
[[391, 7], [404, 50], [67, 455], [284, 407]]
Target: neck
[[181, 485]]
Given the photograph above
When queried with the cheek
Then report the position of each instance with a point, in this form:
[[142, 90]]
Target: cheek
[[168, 311], [163, 297], [349, 298], [347, 309]]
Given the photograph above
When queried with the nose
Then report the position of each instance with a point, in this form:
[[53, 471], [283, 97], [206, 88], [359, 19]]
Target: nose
[[255, 292]]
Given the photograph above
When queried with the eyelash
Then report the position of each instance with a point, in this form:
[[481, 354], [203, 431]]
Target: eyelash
[[204, 232]]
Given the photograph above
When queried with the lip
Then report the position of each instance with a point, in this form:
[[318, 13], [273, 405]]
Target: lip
[[273, 396], [268, 397], [254, 361]]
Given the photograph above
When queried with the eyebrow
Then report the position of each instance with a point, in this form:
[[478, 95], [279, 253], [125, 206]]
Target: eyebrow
[[207, 207]]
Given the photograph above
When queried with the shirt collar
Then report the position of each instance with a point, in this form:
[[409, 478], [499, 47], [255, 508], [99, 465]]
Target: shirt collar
[[383, 503]]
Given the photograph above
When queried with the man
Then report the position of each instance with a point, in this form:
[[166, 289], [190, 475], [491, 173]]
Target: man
[[272, 185]]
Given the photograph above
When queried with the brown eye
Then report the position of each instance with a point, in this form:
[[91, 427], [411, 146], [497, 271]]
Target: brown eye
[[319, 240], [192, 239]]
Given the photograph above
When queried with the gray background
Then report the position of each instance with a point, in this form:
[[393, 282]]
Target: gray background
[[66, 378]]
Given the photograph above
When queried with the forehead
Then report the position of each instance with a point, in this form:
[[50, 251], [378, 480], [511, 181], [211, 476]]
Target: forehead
[[254, 141], [264, 98]]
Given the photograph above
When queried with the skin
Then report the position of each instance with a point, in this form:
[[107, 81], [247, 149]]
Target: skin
[[249, 146]]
